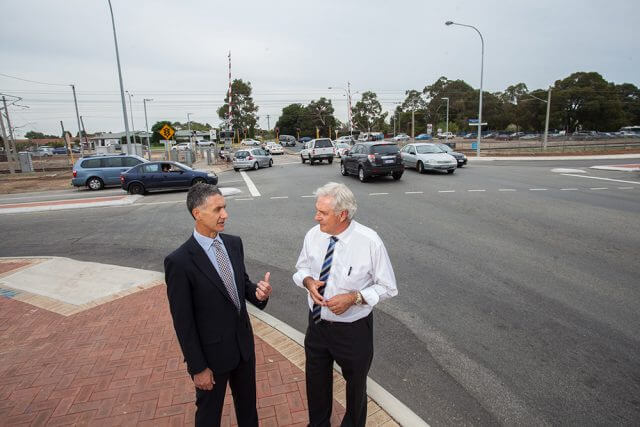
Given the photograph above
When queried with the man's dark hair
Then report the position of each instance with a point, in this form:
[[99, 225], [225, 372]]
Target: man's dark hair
[[198, 194]]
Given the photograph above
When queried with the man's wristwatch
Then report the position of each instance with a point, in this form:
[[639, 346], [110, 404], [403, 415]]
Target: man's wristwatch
[[358, 298]]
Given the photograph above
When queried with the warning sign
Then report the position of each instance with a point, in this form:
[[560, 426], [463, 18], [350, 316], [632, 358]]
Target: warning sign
[[167, 131]]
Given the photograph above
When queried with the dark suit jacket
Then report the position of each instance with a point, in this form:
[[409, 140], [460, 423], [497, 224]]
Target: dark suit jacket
[[210, 331]]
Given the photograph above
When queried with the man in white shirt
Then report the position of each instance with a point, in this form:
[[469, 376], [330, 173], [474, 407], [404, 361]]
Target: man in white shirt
[[346, 270]]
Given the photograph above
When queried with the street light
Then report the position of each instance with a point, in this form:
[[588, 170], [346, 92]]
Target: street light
[[124, 105], [146, 124], [133, 127], [448, 23], [348, 93], [189, 127], [446, 135], [546, 120]]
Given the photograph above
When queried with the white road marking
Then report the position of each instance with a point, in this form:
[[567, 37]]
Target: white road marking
[[507, 189], [246, 198], [413, 192], [604, 179], [308, 196], [378, 194], [280, 197], [537, 189], [625, 188], [474, 191], [446, 191], [287, 163], [598, 188], [252, 187], [563, 170], [568, 189]]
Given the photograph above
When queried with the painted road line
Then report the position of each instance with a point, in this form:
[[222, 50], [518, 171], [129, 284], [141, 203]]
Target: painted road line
[[308, 196], [564, 170], [568, 189], [625, 188], [378, 194], [475, 191], [245, 198], [250, 185], [507, 189], [604, 179], [279, 197], [413, 192], [537, 189], [446, 191], [287, 163], [598, 188]]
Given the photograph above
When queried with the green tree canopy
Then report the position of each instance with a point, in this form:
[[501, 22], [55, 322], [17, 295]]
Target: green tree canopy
[[243, 109], [38, 135], [367, 113]]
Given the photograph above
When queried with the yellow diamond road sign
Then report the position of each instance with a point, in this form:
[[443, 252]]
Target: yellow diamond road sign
[[167, 131]]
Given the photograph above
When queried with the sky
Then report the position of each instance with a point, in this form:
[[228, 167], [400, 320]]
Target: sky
[[291, 51]]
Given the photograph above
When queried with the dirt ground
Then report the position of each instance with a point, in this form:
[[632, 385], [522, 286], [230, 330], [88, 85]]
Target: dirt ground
[[36, 181]]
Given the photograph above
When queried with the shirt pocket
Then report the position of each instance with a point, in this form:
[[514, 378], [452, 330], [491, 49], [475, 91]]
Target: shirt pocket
[[356, 279]]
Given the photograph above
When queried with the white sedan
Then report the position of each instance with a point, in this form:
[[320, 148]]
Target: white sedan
[[401, 137], [427, 156], [250, 142], [181, 147], [341, 148], [275, 149]]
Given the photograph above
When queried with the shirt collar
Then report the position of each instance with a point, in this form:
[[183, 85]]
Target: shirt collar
[[345, 235], [205, 241]]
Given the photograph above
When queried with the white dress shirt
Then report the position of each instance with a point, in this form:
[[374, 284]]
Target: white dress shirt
[[360, 263]]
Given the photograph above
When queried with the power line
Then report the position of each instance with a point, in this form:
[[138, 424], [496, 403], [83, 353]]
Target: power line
[[32, 81]]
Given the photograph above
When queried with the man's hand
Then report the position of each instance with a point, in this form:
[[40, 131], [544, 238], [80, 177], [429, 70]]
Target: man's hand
[[338, 304], [264, 288], [204, 380], [312, 286]]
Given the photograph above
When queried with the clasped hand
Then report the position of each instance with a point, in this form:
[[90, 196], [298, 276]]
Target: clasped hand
[[338, 304]]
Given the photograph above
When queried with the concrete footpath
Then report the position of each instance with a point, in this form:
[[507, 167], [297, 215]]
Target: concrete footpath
[[93, 344]]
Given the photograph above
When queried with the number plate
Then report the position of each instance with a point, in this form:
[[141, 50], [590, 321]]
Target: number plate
[[390, 161]]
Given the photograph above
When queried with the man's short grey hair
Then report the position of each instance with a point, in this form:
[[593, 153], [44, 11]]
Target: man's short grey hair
[[198, 195], [343, 198]]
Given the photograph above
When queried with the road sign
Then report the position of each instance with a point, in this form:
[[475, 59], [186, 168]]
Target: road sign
[[429, 128], [212, 134], [474, 122], [167, 131]]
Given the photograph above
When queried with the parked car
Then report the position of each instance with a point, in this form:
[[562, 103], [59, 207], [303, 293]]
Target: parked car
[[346, 139], [341, 147], [427, 156], [274, 148], [250, 142], [516, 135], [305, 139], [423, 137], [445, 135], [471, 136], [460, 157], [369, 159], [503, 137], [60, 150], [181, 146], [529, 137], [205, 143], [97, 172], [251, 158], [42, 152], [318, 150], [152, 176], [287, 140], [401, 137]]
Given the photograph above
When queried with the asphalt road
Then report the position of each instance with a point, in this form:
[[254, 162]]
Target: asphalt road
[[518, 298]]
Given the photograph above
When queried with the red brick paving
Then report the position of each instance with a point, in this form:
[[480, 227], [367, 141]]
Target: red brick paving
[[120, 364]]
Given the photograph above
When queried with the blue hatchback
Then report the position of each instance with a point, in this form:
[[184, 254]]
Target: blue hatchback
[[423, 137], [152, 176]]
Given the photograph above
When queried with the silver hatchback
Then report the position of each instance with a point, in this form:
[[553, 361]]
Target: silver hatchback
[[251, 158]]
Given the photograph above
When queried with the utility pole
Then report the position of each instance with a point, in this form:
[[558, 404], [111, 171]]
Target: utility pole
[[75, 101], [189, 127], [447, 126], [133, 128], [546, 121], [12, 143], [268, 124], [350, 114], [413, 123], [85, 136], [7, 148], [124, 104], [67, 143], [146, 124]]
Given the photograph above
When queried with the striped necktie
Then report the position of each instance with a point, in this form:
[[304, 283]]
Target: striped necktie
[[225, 273], [324, 275]]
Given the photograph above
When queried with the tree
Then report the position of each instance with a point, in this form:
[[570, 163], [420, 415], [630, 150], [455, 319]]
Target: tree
[[243, 109], [155, 131], [367, 113], [294, 117], [321, 112], [629, 96], [38, 135]]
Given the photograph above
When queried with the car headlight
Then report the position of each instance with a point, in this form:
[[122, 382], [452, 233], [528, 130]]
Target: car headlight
[[431, 161], [211, 175]]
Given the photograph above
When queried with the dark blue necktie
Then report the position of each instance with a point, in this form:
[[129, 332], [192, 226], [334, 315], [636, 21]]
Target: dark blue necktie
[[324, 275]]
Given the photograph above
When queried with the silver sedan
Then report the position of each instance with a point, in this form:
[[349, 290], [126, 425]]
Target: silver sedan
[[427, 156], [251, 158]]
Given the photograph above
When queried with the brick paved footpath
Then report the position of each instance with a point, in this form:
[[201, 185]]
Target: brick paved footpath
[[120, 364]]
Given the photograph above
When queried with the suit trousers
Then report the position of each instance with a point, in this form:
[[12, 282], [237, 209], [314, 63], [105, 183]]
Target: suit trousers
[[242, 379], [351, 346]]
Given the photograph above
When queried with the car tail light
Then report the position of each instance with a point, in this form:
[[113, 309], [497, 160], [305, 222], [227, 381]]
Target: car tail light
[[372, 158], [75, 173], [121, 179], [250, 158]]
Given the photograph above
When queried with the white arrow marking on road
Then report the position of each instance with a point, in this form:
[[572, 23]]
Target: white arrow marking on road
[[252, 187], [604, 179]]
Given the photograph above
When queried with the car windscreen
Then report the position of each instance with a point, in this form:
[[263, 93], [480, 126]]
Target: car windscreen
[[384, 149], [323, 143], [428, 149], [242, 154], [185, 167], [445, 148]]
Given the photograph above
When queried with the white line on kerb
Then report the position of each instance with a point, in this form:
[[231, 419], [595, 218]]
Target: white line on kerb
[[598, 188], [473, 191], [378, 194], [280, 197], [252, 187], [625, 188], [507, 189], [604, 179], [568, 189], [413, 192], [537, 189], [446, 191]]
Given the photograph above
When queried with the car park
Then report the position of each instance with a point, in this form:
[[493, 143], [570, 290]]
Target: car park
[[97, 172], [318, 150], [251, 158], [274, 148], [427, 156], [153, 176], [401, 137], [423, 137], [287, 140], [461, 159], [370, 159]]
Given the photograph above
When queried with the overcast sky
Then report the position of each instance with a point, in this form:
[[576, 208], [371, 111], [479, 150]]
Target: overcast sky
[[291, 51]]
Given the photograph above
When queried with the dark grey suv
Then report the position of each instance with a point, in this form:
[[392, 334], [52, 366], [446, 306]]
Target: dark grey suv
[[369, 159]]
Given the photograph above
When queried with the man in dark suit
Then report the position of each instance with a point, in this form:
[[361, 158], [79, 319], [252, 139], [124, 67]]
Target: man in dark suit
[[207, 286]]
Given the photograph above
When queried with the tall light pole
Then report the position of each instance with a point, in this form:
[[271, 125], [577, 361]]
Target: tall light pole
[[124, 105], [481, 78], [349, 116], [133, 127], [146, 124], [446, 135], [546, 120], [189, 126]]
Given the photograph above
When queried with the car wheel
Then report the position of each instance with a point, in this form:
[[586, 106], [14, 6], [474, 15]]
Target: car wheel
[[198, 181], [95, 183], [330, 160], [256, 166], [270, 162], [343, 169], [311, 161], [236, 169], [450, 171], [361, 175], [396, 175], [420, 167], [136, 188], [302, 158]]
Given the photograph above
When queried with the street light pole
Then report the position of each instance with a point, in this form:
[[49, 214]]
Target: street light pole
[[189, 126], [75, 101], [481, 79], [546, 120], [146, 124], [124, 105], [446, 135], [349, 115], [133, 127]]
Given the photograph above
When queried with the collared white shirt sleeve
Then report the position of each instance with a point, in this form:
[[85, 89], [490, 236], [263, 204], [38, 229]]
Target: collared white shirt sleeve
[[384, 280], [303, 266]]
